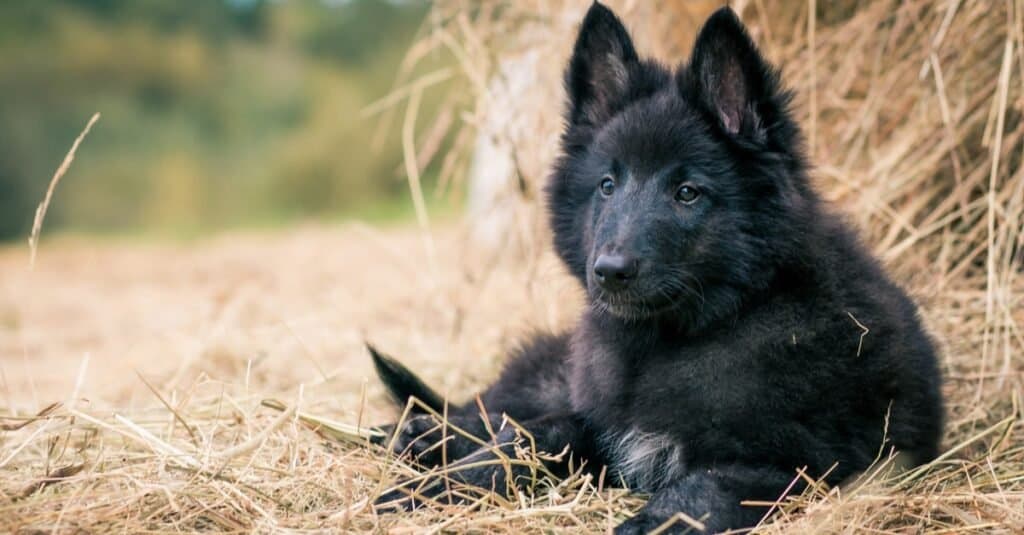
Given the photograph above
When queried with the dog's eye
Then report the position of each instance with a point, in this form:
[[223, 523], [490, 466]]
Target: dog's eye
[[687, 194], [607, 185]]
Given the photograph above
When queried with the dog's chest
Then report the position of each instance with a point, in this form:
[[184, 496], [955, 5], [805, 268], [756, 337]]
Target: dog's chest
[[650, 410], [645, 461]]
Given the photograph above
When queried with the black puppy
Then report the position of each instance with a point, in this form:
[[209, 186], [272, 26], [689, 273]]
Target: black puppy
[[736, 331]]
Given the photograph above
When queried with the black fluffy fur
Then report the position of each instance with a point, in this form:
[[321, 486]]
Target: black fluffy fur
[[735, 356]]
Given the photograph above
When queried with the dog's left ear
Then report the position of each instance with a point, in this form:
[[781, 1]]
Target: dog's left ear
[[732, 82]]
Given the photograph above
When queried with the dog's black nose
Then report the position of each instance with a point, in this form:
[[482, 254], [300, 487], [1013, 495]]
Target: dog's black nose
[[614, 272]]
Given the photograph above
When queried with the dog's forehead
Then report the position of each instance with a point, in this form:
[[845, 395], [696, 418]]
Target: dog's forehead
[[656, 132]]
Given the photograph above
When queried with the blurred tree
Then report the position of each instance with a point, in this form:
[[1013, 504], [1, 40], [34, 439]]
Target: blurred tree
[[215, 113]]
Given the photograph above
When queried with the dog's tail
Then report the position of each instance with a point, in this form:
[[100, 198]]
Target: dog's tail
[[402, 384]]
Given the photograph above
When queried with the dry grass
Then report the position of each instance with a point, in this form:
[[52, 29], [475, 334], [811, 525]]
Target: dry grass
[[160, 356], [913, 112]]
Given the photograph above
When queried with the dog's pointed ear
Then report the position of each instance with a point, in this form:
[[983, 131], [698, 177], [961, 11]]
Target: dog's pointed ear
[[602, 63], [732, 82]]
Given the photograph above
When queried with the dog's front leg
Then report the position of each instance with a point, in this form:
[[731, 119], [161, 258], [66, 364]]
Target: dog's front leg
[[711, 497], [420, 437], [501, 464]]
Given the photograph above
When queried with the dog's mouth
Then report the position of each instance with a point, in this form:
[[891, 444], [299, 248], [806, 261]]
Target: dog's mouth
[[667, 290], [634, 307]]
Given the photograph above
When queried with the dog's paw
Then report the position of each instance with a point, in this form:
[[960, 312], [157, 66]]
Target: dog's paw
[[410, 495], [396, 501], [420, 439], [463, 481], [643, 523]]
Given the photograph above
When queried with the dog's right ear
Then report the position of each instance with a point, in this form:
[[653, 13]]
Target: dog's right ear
[[603, 60]]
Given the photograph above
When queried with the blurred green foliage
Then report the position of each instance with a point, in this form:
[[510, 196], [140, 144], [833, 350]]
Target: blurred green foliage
[[215, 113]]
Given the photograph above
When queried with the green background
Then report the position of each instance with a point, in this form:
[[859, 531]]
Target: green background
[[215, 113]]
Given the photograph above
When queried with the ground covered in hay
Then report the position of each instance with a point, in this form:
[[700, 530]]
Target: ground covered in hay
[[134, 378]]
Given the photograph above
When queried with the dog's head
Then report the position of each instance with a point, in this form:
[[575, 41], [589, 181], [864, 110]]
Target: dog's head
[[677, 190]]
